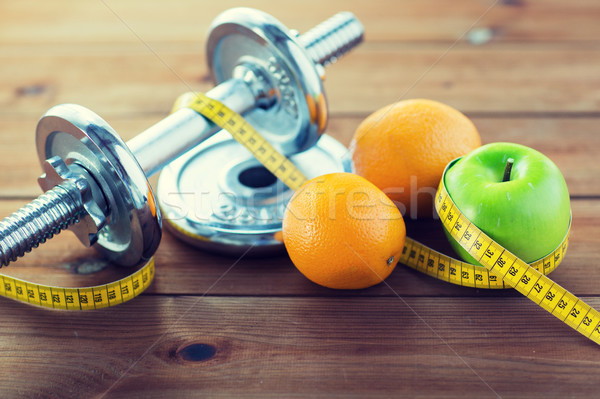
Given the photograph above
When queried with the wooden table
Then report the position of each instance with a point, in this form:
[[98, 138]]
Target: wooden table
[[211, 326]]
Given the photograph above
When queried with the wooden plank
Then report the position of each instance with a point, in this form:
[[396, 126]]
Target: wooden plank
[[577, 159], [414, 20], [181, 269], [296, 347], [495, 78], [526, 73], [127, 79]]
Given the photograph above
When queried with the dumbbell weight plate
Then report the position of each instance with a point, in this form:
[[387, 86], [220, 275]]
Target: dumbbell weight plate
[[219, 198], [78, 135], [252, 38]]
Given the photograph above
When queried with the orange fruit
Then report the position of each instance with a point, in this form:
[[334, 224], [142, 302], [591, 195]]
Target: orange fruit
[[342, 232], [404, 147]]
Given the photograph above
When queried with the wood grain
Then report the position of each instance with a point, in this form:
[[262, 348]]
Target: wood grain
[[128, 79], [409, 20], [272, 347], [575, 157], [181, 269], [525, 71]]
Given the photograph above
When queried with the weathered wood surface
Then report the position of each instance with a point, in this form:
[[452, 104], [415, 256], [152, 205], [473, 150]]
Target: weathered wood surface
[[576, 156], [526, 72], [128, 79], [182, 269], [296, 347], [187, 21]]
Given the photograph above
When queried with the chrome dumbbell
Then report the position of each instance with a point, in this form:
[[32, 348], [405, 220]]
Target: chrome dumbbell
[[97, 185]]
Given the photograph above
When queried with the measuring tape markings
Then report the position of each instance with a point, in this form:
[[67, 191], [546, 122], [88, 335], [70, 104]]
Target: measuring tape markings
[[443, 267], [79, 298], [500, 268], [528, 281], [246, 135], [123, 290]]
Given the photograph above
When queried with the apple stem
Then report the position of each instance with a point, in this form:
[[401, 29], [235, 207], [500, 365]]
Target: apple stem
[[508, 169]]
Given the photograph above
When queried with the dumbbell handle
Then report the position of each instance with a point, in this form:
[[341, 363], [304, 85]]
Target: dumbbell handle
[[185, 129], [68, 204]]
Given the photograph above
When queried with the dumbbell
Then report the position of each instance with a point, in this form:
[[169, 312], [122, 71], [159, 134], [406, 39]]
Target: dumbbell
[[96, 185]]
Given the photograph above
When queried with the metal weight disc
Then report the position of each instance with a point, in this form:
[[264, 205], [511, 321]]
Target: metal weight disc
[[78, 135], [219, 198], [252, 38]]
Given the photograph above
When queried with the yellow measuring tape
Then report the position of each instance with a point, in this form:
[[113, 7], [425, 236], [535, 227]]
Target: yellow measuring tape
[[516, 273], [244, 134], [71, 298], [501, 269]]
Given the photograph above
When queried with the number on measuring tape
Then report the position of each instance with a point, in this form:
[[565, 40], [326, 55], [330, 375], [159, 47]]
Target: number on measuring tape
[[246, 135], [528, 280], [68, 298], [499, 268]]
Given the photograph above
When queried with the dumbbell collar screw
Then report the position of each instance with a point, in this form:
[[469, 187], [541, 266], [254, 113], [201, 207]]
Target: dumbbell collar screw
[[93, 214]]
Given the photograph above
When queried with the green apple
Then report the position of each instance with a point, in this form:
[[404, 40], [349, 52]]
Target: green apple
[[514, 194]]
